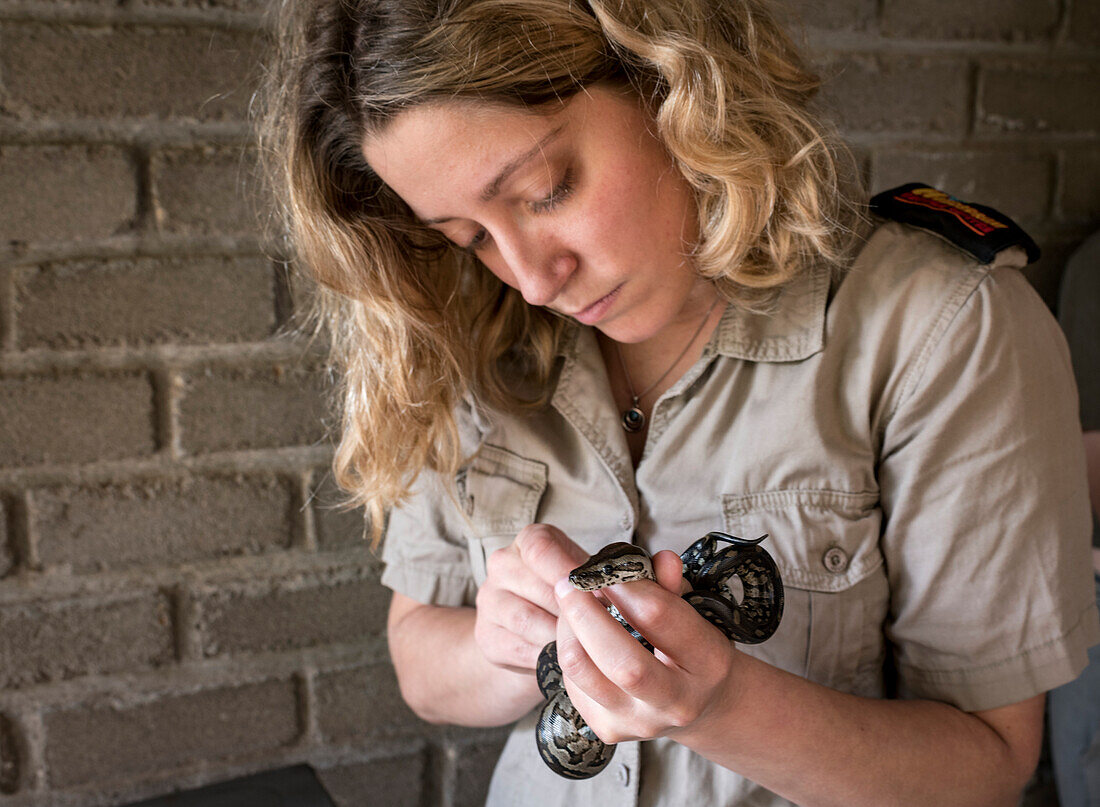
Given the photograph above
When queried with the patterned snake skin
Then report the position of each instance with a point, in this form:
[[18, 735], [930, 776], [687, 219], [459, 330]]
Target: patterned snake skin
[[565, 742]]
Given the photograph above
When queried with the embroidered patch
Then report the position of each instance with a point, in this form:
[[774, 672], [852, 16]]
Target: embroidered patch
[[977, 229]]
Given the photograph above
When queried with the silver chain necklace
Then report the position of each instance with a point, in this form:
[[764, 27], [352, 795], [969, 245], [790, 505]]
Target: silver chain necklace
[[633, 419]]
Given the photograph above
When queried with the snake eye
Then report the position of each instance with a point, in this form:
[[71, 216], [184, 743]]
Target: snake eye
[[607, 568]]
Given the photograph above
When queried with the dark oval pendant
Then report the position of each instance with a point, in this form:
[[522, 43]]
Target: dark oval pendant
[[633, 419]]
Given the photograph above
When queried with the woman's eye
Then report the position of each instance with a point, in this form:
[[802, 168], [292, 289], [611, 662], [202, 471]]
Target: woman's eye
[[477, 241], [558, 195]]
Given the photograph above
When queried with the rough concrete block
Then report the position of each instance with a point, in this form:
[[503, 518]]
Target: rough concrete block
[[1084, 24], [983, 19], [127, 71], [911, 94], [1081, 186], [363, 703], [111, 743], [243, 6], [146, 301], [162, 523], [75, 418], [60, 640], [10, 768], [337, 528], [209, 190], [839, 14], [1039, 97], [396, 782], [65, 193], [231, 410], [1017, 184], [313, 612], [471, 769]]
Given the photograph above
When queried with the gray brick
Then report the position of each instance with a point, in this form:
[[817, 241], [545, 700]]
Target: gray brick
[[64, 193], [472, 768], [208, 190], [910, 94], [363, 703], [1081, 186], [104, 744], [10, 762], [162, 523], [1040, 97], [146, 301], [290, 616], [231, 410], [837, 14], [75, 418], [1084, 23], [337, 528], [243, 6], [127, 71], [980, 19], [55, 641], [395, 782], [1018, 184]]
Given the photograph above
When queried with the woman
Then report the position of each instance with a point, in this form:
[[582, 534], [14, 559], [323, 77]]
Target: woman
[[591, 274]]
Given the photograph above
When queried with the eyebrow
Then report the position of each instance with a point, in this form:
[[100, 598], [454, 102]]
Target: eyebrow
[[490, 191]]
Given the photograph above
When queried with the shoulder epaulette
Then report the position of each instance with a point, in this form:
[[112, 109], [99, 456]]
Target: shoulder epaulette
[[976, 229]]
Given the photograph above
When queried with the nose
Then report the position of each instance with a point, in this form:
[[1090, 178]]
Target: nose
[[537, 267]]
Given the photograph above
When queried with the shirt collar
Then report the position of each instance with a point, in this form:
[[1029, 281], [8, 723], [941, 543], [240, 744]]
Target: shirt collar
[[792, 329]]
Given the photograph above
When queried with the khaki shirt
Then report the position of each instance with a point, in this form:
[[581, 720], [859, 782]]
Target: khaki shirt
[[908, 436]]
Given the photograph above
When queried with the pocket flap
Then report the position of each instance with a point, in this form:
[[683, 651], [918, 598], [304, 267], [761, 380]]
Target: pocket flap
[[822, 540], [501, 490]]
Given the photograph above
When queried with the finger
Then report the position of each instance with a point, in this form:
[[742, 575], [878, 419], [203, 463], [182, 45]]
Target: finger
[[584, 681], [548, 552], [503, 648], [506, 569], [667, 621], [613, 651], [669, 569], [516, 614]]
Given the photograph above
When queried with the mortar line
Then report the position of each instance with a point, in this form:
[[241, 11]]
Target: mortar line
[[26, 539], [33, 746], [305, 521], [8, 312]]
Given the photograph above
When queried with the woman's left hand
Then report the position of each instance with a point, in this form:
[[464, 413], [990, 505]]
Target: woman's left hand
[[623, 691]]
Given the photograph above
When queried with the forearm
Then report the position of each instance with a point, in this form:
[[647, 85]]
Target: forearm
[[819, 747], [445, 678]]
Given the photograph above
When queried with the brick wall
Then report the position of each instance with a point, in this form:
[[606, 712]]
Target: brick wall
[[179, 601]]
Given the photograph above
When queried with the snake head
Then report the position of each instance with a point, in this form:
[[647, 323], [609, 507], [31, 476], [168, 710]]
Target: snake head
[[615, 563]]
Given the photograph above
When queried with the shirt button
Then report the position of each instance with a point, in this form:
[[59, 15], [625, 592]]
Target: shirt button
[[623, 775], [835, 559]]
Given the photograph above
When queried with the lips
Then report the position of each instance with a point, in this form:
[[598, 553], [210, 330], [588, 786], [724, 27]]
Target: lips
[[595, 312]]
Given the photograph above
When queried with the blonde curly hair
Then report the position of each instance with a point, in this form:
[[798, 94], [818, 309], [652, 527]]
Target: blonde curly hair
[[416, 325]]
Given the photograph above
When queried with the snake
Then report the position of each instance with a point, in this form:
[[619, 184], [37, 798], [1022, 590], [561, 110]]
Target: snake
[[565, 742]]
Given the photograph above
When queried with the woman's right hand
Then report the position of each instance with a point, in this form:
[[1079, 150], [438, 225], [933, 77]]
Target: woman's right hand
[[517, 611]]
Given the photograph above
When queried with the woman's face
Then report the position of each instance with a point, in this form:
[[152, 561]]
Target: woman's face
[[582, 210]]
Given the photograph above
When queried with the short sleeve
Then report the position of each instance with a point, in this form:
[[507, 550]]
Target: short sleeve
[[425, 549], [425, 553], [986, 535]]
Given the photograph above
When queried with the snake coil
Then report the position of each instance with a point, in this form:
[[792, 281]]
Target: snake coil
[[566, 743]]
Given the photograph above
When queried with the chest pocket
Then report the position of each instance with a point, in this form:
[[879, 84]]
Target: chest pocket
[[825, 544], [500, 493]]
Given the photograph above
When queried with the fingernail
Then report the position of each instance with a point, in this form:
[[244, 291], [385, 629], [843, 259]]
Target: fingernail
[[563, 587]]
